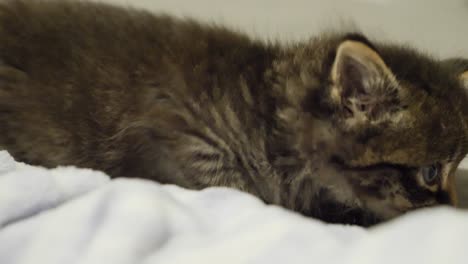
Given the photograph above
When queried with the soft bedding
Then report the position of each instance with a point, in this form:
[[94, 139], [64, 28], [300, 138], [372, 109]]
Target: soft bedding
[[69, 215]]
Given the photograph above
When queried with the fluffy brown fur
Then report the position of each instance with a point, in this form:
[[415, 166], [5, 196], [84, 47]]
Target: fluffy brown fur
[[337, 128]]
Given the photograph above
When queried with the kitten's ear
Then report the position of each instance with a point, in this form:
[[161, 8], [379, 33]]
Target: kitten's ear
[[464, 79], [363, 83]]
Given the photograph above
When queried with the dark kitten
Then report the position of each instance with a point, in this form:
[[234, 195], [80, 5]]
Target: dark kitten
[[336, 128]]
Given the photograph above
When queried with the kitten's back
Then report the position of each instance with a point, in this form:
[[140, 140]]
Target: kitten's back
[[74, 75]]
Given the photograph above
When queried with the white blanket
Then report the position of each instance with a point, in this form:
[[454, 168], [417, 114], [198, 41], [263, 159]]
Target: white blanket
[[69, 215]]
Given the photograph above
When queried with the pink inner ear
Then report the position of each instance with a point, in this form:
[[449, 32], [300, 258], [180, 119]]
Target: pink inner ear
[[366, 84], [352, 77], [359, 69]]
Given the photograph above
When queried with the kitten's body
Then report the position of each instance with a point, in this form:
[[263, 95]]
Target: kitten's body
[[139, 95]]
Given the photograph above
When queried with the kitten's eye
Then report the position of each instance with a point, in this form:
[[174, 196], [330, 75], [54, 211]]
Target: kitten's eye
[[431, 174]]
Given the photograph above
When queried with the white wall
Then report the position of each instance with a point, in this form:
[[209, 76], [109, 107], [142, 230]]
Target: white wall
[[437, 26]]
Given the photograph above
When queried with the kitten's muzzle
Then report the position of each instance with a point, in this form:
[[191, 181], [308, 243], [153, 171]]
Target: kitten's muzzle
[[444, 198]]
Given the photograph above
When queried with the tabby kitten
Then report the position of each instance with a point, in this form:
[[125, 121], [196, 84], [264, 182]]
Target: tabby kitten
[[336, 128]]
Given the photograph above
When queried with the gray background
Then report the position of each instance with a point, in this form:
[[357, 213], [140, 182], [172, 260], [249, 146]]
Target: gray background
[[437, 26]]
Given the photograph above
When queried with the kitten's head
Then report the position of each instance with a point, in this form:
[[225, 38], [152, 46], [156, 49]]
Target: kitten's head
[[391, 124]]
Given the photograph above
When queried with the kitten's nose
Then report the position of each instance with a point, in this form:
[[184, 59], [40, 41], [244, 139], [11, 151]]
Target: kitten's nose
[[444, 198]]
